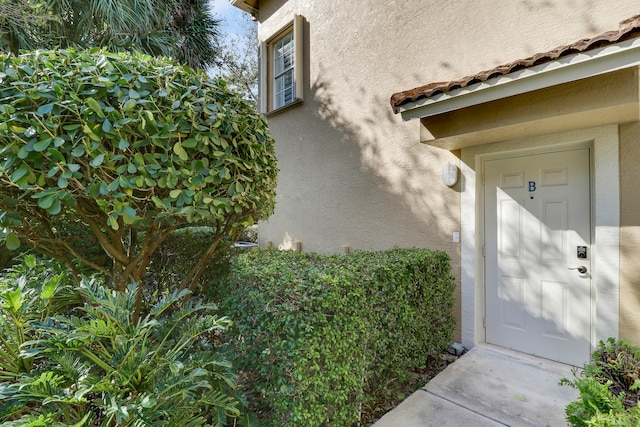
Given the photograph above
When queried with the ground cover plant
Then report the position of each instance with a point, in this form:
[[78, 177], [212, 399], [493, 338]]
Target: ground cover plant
[[29, 294], [609, 388], [324, 340], [86, 362], [131, 148]]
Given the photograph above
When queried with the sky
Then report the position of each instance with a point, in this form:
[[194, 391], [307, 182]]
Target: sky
[[231, 16]]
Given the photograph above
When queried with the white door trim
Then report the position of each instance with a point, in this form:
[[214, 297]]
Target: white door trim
[[605, 203]]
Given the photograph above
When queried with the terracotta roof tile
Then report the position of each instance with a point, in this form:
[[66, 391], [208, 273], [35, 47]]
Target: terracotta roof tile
[[627, 30]]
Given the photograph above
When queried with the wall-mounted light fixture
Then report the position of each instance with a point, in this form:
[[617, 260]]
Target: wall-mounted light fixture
[[449, 174]]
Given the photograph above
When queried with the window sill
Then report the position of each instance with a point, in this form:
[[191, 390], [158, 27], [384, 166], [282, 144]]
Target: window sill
[[290, 105]]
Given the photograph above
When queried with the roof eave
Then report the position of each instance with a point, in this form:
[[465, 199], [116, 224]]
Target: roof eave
[[244, 5], [562, 70]]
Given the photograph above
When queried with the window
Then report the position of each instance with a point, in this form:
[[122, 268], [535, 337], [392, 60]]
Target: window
[[281, 68], [284, 91]]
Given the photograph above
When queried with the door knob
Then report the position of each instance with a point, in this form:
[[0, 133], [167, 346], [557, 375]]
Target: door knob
[[582, 269]]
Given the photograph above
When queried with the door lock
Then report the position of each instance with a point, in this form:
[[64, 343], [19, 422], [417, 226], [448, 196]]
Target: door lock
[[582, 252], [582, 269]]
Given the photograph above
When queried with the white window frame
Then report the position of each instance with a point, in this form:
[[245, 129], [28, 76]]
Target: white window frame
[[274, 98]]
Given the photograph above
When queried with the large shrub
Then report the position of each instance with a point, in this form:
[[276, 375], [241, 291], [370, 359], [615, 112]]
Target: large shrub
[[93, 365], [320, 338], [124, 145], [173, 259], [609, 388]]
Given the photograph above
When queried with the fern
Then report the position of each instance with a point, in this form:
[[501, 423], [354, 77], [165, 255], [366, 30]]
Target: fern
[[608, 388]]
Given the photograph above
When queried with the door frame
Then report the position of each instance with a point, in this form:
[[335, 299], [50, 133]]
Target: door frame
[[605, 225]]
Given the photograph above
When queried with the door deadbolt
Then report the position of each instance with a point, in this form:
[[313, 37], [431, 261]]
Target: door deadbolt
[[582, 252], [582, 269]]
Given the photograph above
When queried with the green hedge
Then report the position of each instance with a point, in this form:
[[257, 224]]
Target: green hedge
[[321, 338]]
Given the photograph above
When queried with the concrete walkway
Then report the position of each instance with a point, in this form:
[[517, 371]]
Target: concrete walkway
[[489, 386]]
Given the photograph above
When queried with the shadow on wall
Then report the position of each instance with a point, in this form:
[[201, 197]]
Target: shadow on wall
[[400, 176], [360, 174]]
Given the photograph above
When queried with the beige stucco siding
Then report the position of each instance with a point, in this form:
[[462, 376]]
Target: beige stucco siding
[[630, 232], [351, 172]]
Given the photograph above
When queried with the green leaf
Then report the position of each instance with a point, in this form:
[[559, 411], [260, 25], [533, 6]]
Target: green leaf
[[94, 137], [55, 208], [14, 300], [42, 145], [190, 143], [56, 155], [113, 222], [83, 421], [19, 173], [12, 241], [129, 211], [53, 171], [45, 109], [182, 154], [220, 201], [129, 104], [30, 260], [129, 215], [50, 287], [95, 106], [45, 202], [157, 201], [97, 161], [129, 220], [17, 129], [78, 151], [224, 173], [139, 158]]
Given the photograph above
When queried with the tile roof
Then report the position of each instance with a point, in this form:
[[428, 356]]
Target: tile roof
[[628, 29]]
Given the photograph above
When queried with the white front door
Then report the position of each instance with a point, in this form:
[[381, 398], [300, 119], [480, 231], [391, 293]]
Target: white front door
[[537, 247]]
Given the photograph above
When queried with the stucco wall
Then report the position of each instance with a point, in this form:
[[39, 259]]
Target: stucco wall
[[352, 173], [630, 232]]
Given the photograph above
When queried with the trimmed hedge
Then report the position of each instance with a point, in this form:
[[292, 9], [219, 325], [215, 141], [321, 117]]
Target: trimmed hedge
[[321, 338]]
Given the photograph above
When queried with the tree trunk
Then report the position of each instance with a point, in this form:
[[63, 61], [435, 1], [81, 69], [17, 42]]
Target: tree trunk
[[216, 246], [119, 276]]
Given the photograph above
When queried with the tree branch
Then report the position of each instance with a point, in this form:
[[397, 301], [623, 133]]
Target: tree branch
[[114, 247]]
